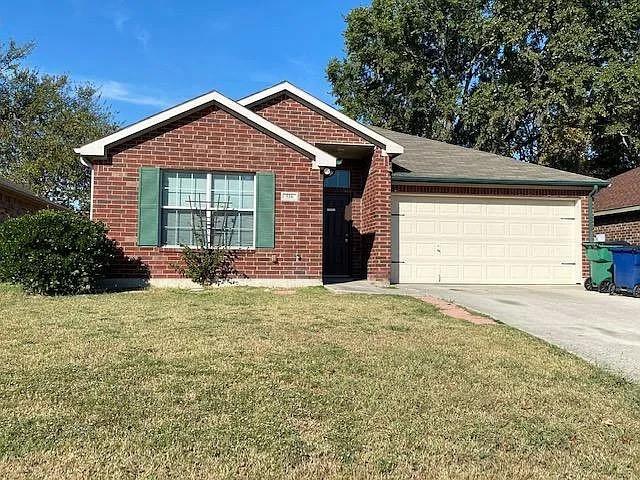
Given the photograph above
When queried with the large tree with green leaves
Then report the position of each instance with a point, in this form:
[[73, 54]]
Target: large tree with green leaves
[[42, 118], [554, 82]]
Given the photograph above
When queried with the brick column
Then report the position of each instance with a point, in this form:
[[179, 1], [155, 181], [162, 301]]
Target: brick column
[[584, 207], [376, 218]]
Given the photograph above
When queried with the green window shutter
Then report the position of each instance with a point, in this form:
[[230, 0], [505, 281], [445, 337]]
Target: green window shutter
[[149, 207], [265, 209]]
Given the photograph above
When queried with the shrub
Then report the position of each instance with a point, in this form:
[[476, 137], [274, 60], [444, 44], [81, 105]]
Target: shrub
[[207, 265], [54, 253]]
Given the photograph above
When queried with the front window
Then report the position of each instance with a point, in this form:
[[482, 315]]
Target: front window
[[339, 179], [208, 209]]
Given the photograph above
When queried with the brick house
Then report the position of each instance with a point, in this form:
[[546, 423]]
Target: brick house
[[16, 200], [314, 195], [617, 208]]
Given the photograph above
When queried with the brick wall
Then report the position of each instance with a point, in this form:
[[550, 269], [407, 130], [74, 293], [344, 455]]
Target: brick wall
[[370, 181], [622, 226], [510, 191], [213, 139], [209, 140], [376, 218], [304, 122], [12, 205], [585, 235]]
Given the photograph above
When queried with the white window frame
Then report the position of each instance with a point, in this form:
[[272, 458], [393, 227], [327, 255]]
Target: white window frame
[[209, 205]]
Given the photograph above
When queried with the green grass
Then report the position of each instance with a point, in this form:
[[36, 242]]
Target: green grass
[[245, 383]]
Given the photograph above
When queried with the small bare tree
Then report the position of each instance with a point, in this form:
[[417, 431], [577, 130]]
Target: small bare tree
[[211, 260]]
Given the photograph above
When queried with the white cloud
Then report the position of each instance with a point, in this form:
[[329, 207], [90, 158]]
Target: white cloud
[[123, 92], [119, 19], [143, 37], [128, 27]]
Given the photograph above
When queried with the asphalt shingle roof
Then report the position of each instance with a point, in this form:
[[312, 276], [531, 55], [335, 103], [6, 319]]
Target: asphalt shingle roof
[[425, 159], [23, 191], [623, 192]]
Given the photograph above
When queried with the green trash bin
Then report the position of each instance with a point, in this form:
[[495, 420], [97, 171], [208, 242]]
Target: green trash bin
[[601, 264]]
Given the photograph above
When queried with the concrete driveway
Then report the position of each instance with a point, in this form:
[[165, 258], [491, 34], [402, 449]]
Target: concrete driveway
[[598, 327]]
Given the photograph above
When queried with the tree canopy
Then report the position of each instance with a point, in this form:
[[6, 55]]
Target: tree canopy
[[554, 82], [42, 119]]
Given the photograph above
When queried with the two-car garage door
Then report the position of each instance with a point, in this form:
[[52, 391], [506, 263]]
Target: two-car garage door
[[480, 240]]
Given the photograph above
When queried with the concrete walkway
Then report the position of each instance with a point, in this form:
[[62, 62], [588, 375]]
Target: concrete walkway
[[600, 328]]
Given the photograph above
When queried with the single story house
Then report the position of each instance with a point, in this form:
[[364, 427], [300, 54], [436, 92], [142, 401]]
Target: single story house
[[617, 208], [16, 200], [314, 194]]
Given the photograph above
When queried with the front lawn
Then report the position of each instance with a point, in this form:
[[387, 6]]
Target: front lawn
[[247, 383]]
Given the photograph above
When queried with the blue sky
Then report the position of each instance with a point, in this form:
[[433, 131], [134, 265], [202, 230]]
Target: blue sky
[[148, 55]]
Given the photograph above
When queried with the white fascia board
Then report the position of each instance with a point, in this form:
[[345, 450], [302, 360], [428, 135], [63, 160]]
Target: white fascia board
[[98, 148], [390, 147], [614, 211]]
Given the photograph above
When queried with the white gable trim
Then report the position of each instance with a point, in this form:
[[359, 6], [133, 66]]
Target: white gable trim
[[99, 147], [390, 147]]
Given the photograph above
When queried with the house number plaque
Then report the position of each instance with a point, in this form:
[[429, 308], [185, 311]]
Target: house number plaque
[[290, 196]]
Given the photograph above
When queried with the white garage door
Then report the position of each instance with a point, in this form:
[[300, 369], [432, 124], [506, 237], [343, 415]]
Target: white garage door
[[479, 240]]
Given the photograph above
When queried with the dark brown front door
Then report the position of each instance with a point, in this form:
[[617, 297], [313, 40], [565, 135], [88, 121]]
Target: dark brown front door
[[337, 230]]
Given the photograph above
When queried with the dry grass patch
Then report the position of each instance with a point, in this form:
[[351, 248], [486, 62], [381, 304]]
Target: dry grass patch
[[246, 383]]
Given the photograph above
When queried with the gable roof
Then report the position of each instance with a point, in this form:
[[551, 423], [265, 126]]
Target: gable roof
[[389, 145], [22, 191], [623, 194], [99, 147], [429, 160]]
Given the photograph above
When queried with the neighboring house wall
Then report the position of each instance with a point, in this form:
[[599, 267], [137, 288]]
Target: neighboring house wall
[[623, 193], [214, 140], [12, 205], [510, 192], [621, 226]]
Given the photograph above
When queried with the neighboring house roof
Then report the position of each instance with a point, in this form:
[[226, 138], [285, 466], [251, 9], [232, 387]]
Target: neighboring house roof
[[99, 147], [389, 145], [433, 161], [22, 191], [622, 195]]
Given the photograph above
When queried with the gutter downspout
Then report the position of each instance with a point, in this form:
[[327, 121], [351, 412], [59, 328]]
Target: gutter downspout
[[590, 202], [89, 165]]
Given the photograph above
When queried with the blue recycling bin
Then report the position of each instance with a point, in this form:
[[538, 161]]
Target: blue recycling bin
[[626, 270]]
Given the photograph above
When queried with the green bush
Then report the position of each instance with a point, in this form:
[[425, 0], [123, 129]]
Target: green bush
[[54, 253]]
